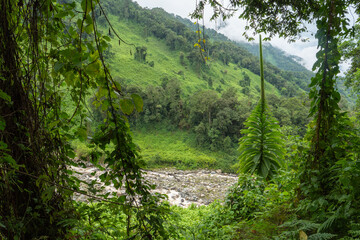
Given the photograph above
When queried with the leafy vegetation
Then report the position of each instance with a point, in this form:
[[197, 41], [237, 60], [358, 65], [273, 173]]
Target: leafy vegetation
[[76, 76], [40, 64], [329, 138], [261, 150]]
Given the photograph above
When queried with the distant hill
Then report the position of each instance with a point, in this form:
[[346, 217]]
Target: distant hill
[[277, 57], [273, 55]]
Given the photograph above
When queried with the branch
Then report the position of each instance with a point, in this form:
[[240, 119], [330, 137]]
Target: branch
[[63, 187]]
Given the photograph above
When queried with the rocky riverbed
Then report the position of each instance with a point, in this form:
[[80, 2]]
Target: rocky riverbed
[[200, 187]]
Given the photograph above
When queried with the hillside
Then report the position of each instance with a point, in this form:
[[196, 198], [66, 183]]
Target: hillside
[[273, 55], [193, 110], [163, 34], [167, 63]]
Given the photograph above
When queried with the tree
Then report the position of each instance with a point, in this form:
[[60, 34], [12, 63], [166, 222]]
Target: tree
[[261, 150], [44, 58], [202, 107], [174, 103], [140, 54]]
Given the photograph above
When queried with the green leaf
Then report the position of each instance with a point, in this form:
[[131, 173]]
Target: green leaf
[[79, 23], [10, 160], [105, 105], [89, 28], [93, 69], [71, 154], [52, 124], [86, 6], [336, 96], [5, 96], [48, 193], [102, 92], [138, 102], [107, 38], [122, 198], [126, 106]]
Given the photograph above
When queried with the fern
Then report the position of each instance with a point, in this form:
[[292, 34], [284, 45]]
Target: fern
[[355, 230], [295, 226], [331, 220], [321, 236]]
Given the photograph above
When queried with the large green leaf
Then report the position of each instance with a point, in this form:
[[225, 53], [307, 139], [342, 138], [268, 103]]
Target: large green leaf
[[86, 6], [126, 106]]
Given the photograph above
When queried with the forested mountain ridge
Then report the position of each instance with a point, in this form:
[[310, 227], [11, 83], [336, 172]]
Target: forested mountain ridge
[[226, 56], [273, 55]]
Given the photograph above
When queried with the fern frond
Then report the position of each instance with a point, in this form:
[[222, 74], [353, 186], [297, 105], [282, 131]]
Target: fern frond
[[307, 226], [329, 222], [321, 236], [355, 230]]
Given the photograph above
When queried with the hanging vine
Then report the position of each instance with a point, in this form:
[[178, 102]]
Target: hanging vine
[[49, 50]]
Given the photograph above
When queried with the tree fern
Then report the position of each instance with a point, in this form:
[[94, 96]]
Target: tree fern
[[261, 147]]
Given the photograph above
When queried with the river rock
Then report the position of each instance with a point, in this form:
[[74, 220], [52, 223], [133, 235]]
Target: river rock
[[200, 187]]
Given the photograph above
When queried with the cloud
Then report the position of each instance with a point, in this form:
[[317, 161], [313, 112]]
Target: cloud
[[306, 50]]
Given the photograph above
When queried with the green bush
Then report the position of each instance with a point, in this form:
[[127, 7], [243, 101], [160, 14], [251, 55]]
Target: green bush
[[252, 197], [246, 198]]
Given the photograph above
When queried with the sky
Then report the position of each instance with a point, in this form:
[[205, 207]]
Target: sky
[[234, 28]]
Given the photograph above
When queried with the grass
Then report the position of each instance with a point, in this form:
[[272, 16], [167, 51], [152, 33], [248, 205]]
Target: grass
[[163, 148], [167, 63]]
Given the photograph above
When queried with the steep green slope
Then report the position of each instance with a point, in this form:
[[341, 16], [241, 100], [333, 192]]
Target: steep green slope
[[160, 31], [277, 57], [167, 64], [193, 110], [163, 148]]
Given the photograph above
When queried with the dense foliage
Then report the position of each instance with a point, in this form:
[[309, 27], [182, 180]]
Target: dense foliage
[[57, 91], [330, 136], [48, 51], [350, 52]]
